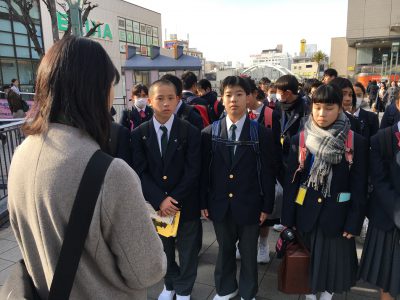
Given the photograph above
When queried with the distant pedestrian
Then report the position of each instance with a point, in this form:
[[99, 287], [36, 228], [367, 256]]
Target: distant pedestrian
[[15, 86]]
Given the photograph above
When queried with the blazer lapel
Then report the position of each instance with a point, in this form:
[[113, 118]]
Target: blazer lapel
[[153, 146], [224, 149], [173, 142], [291, 121], [244, 136]]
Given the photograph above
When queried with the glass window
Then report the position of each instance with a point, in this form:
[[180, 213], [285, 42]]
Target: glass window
[[155, 41], [143, 39], [39, 40], [143, 28], [38, 30], [19, 27], [8, 69], [122, 48], [136, 38], [129, 25], [121, 23], [155, 31], [3, 6], [22, 52], [5, 25], [21, 40], [122, 35], [129, 37], [149, 41], [34, 12], [35, 55], [7, 51], [149, 30], [135, 26], [6, 38], [25, 72]]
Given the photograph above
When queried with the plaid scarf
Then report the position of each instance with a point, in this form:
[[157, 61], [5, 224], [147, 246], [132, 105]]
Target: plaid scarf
[[328, 147]]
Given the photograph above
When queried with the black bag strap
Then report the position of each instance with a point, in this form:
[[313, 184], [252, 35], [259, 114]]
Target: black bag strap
[[78, 225], [113, 142], [385, 142]]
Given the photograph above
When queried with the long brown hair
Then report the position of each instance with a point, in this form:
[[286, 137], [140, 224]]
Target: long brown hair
[[73, 87]]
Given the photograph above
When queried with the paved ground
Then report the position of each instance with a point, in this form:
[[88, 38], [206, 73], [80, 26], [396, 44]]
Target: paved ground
[[204, 287]]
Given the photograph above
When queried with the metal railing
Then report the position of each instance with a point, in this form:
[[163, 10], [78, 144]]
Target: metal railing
[[11, 137]]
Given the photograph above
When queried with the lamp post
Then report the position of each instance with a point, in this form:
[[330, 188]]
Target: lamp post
[[395, 48], [384, 60], [76, 16]]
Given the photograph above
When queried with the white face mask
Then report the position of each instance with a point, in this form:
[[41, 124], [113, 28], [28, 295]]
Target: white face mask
[[272, 97], [141, 102], [359, 102]]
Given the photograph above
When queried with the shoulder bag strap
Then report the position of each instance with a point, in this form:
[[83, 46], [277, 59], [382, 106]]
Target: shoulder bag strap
[[78, 225]]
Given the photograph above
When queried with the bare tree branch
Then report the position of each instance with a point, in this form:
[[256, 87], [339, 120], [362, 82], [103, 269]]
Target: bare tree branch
[[93, 29], [87, 8]]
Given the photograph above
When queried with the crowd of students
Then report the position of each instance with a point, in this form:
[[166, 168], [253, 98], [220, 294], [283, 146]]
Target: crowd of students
[[224, 160], [312, 141]]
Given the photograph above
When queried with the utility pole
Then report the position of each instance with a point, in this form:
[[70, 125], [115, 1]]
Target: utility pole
[[75, 11]]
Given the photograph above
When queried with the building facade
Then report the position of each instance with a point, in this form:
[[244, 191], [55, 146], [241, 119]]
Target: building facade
[[373, 31], [272, 57], [18, 57]]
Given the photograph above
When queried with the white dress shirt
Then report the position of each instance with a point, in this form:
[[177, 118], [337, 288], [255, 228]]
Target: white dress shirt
[[16, 89], [357, 113], [239, 126], [159, 132]]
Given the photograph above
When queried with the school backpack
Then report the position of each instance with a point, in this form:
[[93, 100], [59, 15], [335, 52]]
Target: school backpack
[[254, 143], [349, 150], [268, 117], [207, 112]]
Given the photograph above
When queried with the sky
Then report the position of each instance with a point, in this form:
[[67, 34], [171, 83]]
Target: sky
[[232, 30]]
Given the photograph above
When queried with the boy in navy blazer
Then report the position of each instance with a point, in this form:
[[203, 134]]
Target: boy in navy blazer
[[238, 188], [166, 156]]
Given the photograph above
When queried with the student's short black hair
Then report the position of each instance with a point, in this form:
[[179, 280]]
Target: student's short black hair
[[189, 79], [328, 93], [264, 80], [287, 83], [330, 72], [260, 94], [251, 83], [138, 88], [343, 83], [13, 80], [311, 83], [158, 83], [176, 81], [360, 85], [235, 81], [374, 82], [204, 84]]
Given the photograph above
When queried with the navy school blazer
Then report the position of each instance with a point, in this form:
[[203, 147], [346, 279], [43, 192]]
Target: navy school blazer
[[235, 186], [331, 216], [177, 175], [384, 205]]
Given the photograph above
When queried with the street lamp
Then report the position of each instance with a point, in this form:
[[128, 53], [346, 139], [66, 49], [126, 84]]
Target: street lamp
[[76, 16]]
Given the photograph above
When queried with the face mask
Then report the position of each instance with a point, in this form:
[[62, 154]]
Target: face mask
[[141, 102], [359, 102], [272, 97]]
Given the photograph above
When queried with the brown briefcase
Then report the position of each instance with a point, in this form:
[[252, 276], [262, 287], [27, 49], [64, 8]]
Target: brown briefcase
[[293, 273]]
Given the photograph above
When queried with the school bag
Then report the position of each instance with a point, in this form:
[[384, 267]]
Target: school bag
[[349, 150], [254, 143], [385, 137], [207, 112], [268, 117]]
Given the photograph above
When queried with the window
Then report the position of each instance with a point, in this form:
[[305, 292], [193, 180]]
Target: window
[[25, 72], [19, 27], [8, 70], [22, 52], [308, 66], [21, 40], [5, 25], [6, 38], [7, 51]]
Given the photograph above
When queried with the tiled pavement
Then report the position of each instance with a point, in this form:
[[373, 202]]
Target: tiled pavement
[[204, 286]]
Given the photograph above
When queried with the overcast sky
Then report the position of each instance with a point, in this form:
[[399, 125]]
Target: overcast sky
[[232, 30]]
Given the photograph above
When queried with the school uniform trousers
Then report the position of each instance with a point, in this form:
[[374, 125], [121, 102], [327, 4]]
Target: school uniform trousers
[[380, 261], [234, 198], [321, 221], [175, 175]]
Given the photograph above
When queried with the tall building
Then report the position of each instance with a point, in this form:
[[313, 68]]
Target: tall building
[[371, 44], [272, 57]]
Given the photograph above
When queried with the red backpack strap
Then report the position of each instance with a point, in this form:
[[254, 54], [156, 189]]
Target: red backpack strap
[[268, 116], [216, 107], [350, 147], [203, 113], [302, 154]]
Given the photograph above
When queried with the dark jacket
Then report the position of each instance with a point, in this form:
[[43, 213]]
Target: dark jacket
[[14, 101], [178, 175], [390, 117], [190, 98], [188, 113], [369, 123], [332, 217], [355, 124], [384, 205], [372, 91], [131, 118], [120, 142], [236, 187], [211, 98]]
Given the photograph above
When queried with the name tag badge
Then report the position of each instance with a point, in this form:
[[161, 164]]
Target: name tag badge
[[282, 140], [343, 197], [301, 195]]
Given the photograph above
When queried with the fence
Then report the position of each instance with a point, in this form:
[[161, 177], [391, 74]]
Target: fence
[[10, 138]]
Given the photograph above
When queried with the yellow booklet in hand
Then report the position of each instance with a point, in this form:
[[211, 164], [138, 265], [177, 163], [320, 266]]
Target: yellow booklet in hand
[[165, 226]]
